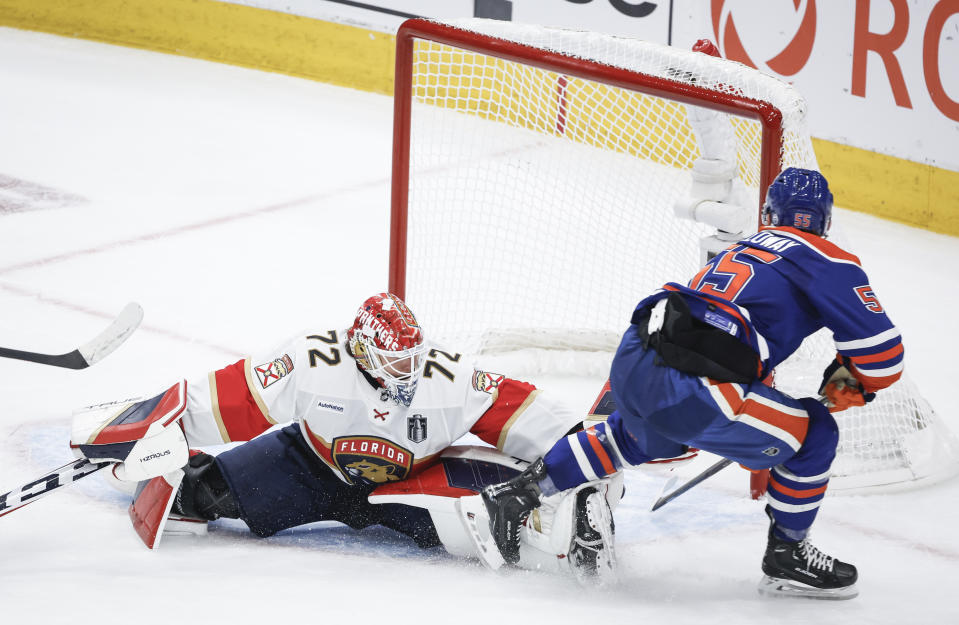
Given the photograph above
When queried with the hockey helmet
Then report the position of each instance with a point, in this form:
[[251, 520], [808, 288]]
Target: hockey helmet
[[799, 198], [387, 343]]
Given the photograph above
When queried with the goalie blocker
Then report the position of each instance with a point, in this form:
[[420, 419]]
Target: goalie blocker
[[142, 436]]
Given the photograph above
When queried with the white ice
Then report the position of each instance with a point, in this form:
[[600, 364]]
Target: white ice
[[238, 207]]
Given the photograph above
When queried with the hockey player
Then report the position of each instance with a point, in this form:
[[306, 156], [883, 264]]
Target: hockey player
[[374, 408], [689, 372]]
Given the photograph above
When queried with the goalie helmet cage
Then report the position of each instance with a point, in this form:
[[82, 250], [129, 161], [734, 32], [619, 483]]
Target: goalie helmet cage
[[534, 171]]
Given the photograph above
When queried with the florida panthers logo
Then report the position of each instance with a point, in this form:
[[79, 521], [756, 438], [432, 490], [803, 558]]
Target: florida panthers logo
[[371, 460], [371, 472]]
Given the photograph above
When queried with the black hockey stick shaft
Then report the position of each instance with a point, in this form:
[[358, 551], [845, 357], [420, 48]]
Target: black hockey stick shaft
[[90, 352], [708, 473], [71, 360], [42, 486]]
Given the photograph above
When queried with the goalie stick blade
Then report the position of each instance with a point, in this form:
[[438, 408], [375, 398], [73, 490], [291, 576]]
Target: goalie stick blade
[[92, 351], [122, 327], [43, 486], [711, 471], [475, 520]]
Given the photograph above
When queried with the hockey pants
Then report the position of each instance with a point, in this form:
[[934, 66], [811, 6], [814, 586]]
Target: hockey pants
[[278, 483], [660, 409]]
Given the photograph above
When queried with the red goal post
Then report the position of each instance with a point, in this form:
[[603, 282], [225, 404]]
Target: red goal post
[[770, 117], [537, 175]]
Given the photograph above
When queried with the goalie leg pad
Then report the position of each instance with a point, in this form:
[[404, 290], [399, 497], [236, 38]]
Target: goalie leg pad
[[449, 492], [572, 532], [592, 554], [151, 506], [480, 541]]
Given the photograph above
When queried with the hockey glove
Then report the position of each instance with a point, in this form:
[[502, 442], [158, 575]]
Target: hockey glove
[[841, 388], [509, 504], [144, 437]]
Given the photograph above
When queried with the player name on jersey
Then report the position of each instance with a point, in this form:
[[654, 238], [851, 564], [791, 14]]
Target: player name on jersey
[[771, 241]]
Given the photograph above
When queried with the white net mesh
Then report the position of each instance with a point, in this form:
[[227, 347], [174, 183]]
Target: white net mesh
[[540, 210]]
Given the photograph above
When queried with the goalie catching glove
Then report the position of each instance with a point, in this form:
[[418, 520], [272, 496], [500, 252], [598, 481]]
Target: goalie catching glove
[[840, 386], [144, 437]]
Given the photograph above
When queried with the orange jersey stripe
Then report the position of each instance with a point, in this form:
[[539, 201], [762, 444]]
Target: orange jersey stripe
[[826, 247], [729, 394], [600, 451], [241, 415], [795, 426], [792, 492], [889, 354], [871, 385]]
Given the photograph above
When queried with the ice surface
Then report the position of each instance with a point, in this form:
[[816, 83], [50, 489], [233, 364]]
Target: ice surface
[[238, 207]]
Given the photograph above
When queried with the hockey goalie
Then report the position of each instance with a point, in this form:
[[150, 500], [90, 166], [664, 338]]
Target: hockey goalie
[[355, 426]]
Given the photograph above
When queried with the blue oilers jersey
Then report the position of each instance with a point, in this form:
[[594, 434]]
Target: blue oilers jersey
[[778, 286]]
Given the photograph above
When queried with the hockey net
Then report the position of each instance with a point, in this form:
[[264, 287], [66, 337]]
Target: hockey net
[[535, 171]]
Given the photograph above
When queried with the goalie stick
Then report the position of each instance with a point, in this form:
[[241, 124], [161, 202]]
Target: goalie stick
[[711, 471], [92, 351], [42, 486]]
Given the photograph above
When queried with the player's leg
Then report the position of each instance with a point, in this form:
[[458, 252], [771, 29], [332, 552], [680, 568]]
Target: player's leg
[[760, 428], [204, 493], [412, 521], [277, 482], [603, 449], [796, 488], [272, 483], [798, 485]]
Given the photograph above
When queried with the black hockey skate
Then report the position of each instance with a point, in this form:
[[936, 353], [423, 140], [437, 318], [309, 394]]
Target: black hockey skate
[[798, 569], [509, 504]]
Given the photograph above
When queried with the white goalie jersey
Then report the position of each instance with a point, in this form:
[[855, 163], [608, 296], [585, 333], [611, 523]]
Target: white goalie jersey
[[354, 428]]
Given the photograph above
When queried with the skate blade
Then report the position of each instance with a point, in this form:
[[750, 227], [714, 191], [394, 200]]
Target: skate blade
[[184, 526], [779, 587], [475, 519]]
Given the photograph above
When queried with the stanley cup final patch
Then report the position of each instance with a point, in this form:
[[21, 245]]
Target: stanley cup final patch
[[416, 428], [272, 371]]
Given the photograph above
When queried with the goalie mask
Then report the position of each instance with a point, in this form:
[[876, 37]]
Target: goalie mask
[[799, 198], [388, 344]]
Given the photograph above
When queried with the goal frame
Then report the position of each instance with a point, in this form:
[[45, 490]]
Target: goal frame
[[769, 117], [902, 443]]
